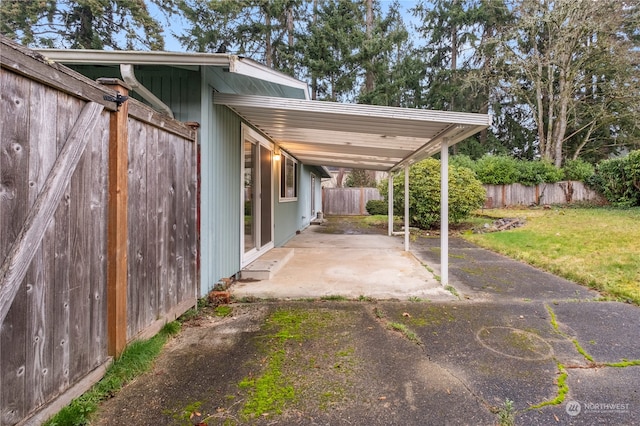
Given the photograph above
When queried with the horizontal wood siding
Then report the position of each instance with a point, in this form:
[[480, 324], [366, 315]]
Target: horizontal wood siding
[[348, 201], [55, 331]]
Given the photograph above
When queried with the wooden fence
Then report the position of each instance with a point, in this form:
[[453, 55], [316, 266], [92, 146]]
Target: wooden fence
[[347, 201], [98, 238], [352, 201], [545, 193]]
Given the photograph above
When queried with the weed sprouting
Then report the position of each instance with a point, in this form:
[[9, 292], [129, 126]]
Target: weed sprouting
[[507, 413], [451, 289], [334, 298], [379, 313], [410, 335]]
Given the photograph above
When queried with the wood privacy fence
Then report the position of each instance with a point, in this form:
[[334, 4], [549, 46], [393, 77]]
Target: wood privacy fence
[[545, 193], [98, 238], [347, 201], [352, 201]]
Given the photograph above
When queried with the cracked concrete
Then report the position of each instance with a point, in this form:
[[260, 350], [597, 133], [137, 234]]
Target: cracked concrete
[[496, 343]]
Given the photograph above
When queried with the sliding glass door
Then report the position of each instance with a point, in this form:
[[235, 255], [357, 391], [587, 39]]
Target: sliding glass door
[[257, 197]]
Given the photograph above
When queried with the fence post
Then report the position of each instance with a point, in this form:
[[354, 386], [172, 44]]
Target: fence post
[[117, 222]]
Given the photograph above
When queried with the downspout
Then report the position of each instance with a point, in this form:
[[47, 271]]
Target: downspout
[[126, 70]]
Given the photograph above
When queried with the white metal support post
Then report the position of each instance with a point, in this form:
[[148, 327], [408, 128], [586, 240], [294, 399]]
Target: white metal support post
[[390, 203], [444, 212], [406, 208]]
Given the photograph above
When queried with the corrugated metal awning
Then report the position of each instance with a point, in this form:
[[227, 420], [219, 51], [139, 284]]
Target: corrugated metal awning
[[352, 135]]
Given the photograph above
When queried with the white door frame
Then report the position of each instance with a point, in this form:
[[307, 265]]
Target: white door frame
[[246, 257]]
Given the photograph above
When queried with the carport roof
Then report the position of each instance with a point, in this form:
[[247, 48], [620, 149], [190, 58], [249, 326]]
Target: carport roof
[[315, 132], [353, 135]]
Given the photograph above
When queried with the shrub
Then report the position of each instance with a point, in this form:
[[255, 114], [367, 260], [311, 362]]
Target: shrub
[[377, 207], [462, 160], [497, 170], [618, 179], [535, 172], [466, 193], [578, 170]]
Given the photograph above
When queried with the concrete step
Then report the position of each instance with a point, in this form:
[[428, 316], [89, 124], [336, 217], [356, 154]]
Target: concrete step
[[264, 267]]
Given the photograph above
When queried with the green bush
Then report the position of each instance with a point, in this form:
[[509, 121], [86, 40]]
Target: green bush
[[497, 170], [466, 193], [618, 179], [377, 207], [534, 172], [578, 170], [462, 160]]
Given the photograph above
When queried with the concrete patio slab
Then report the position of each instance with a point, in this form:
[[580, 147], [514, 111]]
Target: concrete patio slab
[[323, 265]]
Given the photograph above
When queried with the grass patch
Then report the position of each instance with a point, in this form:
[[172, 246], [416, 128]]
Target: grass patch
[[334, 298], [596, 247], [404, 330], [451, 289], [223, 311], [136, 359], [363, 298]]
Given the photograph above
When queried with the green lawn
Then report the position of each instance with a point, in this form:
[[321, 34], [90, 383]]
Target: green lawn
[[596, 247]]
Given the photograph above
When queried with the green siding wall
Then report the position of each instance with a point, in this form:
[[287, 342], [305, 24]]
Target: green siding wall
[[178, 88], [221, 189]]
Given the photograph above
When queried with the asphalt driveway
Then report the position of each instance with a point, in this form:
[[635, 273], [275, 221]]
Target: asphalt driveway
[[514, 333]]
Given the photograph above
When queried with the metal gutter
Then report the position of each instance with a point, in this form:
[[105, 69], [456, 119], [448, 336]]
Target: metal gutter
[[128, 75]]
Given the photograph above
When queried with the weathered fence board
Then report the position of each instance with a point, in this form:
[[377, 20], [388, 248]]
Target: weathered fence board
[[159, 205], [53, 229], [352, 201], [347, 201], [14, 267], [544, 193]]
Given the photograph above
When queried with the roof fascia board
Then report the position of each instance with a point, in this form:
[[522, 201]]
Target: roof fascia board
[[115, 57], [354, 110], [255, 69], [234, 63]]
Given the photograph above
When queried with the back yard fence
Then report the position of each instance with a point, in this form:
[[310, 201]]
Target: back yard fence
[[353, 201], [347, 201], [98, 238]]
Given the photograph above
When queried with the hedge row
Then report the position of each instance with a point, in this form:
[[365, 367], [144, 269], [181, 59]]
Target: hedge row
[[503, 170], [618, 179]]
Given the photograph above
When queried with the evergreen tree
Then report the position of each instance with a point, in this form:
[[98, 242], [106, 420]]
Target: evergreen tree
[[262, 30], [82, 24], [329, 49], [394, 71]]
